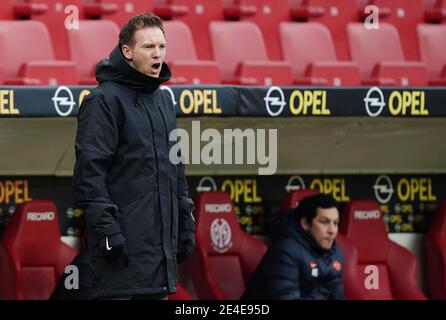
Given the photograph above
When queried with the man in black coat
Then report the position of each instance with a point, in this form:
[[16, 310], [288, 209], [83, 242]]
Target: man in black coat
[[303, 260], [136, 201]]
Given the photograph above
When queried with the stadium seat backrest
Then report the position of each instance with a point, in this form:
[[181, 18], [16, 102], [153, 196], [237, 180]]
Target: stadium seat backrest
[[55, 19], [293, 197], [197, 14], [234, 42], [362, 223], [304, 43], [336, 15], [435, 249], [92, 42], [432, 44], [6, 10], [268, 15], [182, 57], [32, 255], [405, 16], [437, 227], [181, 44], [226, 254], [23, 41], [366, 46]]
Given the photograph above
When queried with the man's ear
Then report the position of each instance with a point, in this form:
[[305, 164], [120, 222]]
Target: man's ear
[[127, 52], [304, 224]]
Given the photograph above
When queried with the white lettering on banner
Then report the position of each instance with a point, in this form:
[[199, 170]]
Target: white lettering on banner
[[40, 216], [365, 215], [217, 207]]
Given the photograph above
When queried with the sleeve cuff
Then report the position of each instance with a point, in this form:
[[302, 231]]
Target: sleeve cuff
[[111, 229]]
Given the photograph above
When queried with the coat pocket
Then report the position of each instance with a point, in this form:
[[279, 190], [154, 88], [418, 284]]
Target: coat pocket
[[136, 201], [138, 226]]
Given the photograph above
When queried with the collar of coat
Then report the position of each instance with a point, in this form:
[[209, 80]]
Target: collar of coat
[[117, 69]]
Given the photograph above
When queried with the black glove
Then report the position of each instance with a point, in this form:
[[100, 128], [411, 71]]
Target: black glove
[[114, 246], [185, 249]]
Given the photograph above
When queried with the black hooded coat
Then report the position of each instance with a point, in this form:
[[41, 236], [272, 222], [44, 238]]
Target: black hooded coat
[[136, 201]]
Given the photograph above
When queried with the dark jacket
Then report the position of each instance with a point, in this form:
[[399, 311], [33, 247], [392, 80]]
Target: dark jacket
[[295, 266], [132, 195]]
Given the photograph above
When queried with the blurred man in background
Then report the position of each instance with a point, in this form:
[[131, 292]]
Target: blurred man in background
[[303, 260]]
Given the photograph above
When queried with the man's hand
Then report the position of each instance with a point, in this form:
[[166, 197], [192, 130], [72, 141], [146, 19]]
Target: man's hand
[[114, 248], [185, 249]]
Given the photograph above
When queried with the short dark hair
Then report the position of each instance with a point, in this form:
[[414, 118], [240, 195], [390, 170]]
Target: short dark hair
[[308, 206], [136, 23]]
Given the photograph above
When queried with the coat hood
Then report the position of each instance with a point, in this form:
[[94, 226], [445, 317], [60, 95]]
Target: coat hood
[[117, 69], [287, 225]]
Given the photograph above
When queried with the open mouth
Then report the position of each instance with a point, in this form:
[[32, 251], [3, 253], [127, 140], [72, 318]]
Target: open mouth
[[156, 66]]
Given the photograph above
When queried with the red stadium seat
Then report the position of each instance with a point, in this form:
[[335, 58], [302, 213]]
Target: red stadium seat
[[392, 266], [310, 50], [432, 41], [11, 9], [93, 41], [182, 57], [197, 14], [240, 51], [225, 256], [35, 66], [405, 16], [380, 57], [62, 15], [292, 198], [267, 15], [32, 256], [435, 10], [435, 249], [335, 15], [353, 290]]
